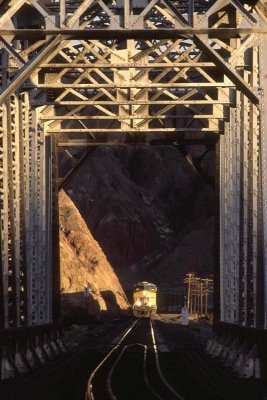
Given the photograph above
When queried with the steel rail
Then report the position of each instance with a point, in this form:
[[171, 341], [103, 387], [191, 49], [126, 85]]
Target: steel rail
[[89, 392], [109, 387], [192, 361], [211, 371], [178, 396], [208, 375], [191, 368]]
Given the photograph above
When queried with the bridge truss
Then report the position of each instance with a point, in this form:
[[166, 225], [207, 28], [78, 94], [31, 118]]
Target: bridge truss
[[90, 72]]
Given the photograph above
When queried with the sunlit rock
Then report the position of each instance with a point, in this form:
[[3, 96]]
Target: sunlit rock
[[88, 282]]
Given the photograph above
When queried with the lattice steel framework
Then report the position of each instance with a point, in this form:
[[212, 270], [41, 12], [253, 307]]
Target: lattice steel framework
[[87, 72]]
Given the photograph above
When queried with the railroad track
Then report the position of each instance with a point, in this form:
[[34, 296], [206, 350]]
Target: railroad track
[[197, 375], [131, 369]]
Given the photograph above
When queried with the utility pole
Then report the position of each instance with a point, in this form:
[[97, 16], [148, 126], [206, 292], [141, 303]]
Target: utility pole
[[198, 291], [198, 295], [207, 289], [189, 280], [201, 297]]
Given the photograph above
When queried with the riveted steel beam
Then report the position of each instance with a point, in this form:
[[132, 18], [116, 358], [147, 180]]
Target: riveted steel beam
[[88, 102], [105, 117], [138, 34], [5, 45], [28, 68], [133, 139], [135, 85], [138, 65], [110, 130], [227, 69], [263, 161]]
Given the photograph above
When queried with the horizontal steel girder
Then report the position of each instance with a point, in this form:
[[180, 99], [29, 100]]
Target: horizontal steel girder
[[105, 117], [139, 34], [133, 139], [127, 102], [226, 68], [119, 130], [129, 65], [147, 85]]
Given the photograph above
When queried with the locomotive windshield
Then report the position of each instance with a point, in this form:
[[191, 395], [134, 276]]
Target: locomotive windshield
[[145, 286]]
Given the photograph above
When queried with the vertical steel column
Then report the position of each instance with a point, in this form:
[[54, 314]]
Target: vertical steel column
[[55, 232], [243, 211], [4, 215], [233, 221], [253, 204], [224, 211], [33, 298], [127, 12], [19, 209], [62, 14], [24, 115], [263, 157], [258, 221], [38, 222], [219, 228], [15, 188], [3, 203], [237, 201], [230, 218], [48, 252], [246, 209], [2, 292], [191, 13], [12, 273], [13, 214], [43, 273], [222, 226], [240, 197]]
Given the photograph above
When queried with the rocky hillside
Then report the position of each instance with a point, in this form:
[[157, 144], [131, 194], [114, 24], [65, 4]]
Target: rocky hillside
[[150, 208], [88, 282]]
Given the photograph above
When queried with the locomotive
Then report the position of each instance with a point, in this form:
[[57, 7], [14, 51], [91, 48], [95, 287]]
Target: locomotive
[[144, 299]]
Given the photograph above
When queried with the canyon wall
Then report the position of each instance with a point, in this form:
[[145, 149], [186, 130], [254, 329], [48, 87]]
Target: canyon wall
[[88, 282], [150, 208]]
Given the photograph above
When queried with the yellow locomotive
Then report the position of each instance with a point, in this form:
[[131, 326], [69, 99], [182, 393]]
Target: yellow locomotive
[[144, 299]]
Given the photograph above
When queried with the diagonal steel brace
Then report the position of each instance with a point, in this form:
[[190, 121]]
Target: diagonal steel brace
[[28, 68]]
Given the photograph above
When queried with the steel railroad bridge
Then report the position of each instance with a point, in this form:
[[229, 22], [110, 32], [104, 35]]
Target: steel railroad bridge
[[91, 72]]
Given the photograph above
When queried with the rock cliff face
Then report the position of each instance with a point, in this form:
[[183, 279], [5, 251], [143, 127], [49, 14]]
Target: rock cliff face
[[88, 282], [150, 208]]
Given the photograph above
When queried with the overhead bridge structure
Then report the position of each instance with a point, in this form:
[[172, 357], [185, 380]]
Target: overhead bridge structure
[[91, 72]]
